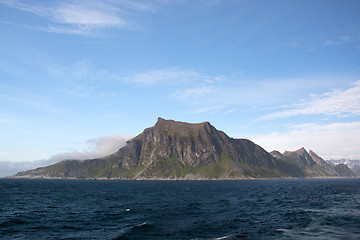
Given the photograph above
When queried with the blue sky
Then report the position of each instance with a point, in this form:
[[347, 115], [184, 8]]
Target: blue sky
[[79, 78]]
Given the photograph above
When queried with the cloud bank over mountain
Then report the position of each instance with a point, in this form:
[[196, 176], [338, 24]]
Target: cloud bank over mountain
[[97, 147]]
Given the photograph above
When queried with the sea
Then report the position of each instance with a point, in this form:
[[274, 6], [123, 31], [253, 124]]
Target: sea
[[245, 209]]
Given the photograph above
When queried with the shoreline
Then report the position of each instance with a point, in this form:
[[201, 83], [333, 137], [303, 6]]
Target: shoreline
[[173, 179]]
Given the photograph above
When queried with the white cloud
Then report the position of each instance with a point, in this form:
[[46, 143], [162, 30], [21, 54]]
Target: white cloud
[[84, 16], [247, 93], [337, 103], [209, 96], [203, 93], [331, 141], [38, 10], [99, 147], [109, 144], [230, 111]]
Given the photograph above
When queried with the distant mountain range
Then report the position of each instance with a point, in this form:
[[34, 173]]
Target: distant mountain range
[[354, 165], [8, 168], [179, 150]]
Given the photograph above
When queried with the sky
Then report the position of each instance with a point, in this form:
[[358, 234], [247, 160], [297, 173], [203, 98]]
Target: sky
[[78, 78]]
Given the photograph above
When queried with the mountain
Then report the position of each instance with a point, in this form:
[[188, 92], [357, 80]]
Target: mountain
[[312, 165], [179, 150], [8, 168], [344, 171], [354, 165]]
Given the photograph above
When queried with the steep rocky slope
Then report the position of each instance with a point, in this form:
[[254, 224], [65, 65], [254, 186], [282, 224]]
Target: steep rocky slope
[[312, 165]]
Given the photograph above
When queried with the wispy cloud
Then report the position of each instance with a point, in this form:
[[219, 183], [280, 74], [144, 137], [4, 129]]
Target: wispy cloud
[[202, 92], [293, 44], [87, 15], [215, 95], [169, 76], [84, 79], [331, 141], [338, 41], [83, 16], [3, 120], [186, 86], [36, 102], [337, 102], [208, 109], [193, 93]]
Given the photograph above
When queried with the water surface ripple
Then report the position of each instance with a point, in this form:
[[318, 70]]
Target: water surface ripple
[[261, 209]]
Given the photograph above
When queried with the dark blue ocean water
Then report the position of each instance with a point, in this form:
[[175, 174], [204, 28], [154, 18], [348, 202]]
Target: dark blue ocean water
[[261, 209]]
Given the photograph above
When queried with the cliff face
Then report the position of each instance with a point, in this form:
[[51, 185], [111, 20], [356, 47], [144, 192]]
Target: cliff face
[[192, 145], [301, 157], [178, 150]]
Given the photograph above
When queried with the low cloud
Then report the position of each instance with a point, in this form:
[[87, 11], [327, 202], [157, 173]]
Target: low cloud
[[330, 141], [99, 147], [106, 145]]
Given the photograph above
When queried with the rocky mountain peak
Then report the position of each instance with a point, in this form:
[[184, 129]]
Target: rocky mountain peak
[[301, 157], [192, 144], [302, 151]]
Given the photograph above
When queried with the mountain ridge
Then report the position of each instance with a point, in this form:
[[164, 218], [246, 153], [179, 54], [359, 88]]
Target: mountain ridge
[[179, 150], [313, 165]]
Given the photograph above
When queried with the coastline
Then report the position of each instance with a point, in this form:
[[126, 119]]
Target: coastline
[[174, 179]]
